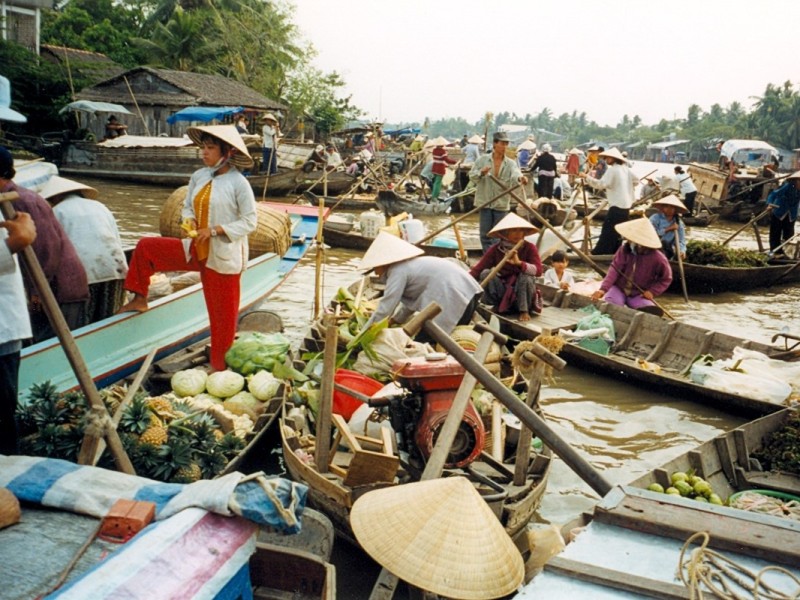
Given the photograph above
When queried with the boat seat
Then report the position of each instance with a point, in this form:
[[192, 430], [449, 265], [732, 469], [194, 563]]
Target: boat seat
[[366, 466]]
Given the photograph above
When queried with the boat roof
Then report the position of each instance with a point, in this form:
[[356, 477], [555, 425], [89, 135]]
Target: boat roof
[[204, 114], [667, 144], [730, 147], [144, 141], [92, 107]]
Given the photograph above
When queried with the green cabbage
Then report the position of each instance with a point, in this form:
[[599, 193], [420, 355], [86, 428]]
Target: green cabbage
[[263, 385], [244, 403], [189, 382], [224, 384], [256, 351]]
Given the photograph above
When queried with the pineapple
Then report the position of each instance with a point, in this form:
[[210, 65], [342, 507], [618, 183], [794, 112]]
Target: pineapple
[[162, 407], [155, 435], [188, 474], [137, 417], [174, 456]]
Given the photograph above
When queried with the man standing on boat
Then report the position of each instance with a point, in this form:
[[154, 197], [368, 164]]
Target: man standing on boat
[[784, 203], [638, 272], [507, 171], [269, 144], [440, 162], [688, 189], [619, 182]]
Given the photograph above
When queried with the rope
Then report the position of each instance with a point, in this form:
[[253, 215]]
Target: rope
[[98, 423], [707, 571], [524, 366]]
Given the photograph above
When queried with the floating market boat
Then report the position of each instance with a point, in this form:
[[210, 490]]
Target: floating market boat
[[632, 542], [647, 349], [393, 203], [116, 347], [296, 180]]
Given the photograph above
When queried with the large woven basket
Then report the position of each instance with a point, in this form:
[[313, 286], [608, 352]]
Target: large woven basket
[[273, 232]]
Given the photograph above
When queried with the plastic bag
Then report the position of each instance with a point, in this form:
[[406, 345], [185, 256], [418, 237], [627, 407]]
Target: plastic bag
[[596, 321], [390, 345]]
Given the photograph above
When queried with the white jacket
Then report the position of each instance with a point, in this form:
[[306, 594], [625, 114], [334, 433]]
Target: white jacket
[[233, 206], [619, 183], [15, 324]]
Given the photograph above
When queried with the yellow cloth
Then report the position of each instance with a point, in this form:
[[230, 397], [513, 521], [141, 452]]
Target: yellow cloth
[[201, 203]]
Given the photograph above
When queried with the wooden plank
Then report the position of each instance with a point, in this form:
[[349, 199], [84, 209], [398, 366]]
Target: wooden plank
[[630, 334], [651, 588], [371, 467], [780, 482], [724, 452], [666, 338]]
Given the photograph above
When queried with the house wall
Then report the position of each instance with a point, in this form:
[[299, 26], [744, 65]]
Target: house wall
[[20, 25]]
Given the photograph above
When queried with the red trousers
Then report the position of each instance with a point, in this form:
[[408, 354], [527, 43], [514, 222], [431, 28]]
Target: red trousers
[[221, 292]]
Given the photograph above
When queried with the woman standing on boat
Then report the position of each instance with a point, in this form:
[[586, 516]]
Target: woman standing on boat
[[639, 272], [269, 144], [219, 213], [547, 169], [667, 221], [440, 162], [784, 202]]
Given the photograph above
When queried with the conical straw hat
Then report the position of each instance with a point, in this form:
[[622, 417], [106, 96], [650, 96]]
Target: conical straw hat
[[387, 249], [795, 175], [227, 133], [61, 185], [512, 221], [639, 231], [672, 200], [439, 141], [613, 153], [527, 145], [439, 535], [475, 139]]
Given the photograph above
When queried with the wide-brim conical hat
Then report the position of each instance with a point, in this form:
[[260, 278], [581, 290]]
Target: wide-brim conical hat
[[671, 200], [512, 221], [527, 145], [475, 139], [795, 175], [6, 112], [227, 133], [613, 153], [61, 185], [439, 535], [387, 249], [268, 117], [576, 151], [639, 231]]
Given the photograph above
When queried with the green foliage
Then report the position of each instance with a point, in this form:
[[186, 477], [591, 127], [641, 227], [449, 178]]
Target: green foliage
[[715, 254], [781, 449]]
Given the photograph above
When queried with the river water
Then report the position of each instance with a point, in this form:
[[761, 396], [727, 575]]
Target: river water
[[622, 430]]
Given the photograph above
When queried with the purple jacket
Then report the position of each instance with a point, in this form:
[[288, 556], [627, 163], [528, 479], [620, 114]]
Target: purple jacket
[[56, 254], [649, 270]]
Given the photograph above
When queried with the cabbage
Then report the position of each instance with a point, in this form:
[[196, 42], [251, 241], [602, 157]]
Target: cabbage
[[224, 384], [209, 398], [189, 382], [263, 385], [257, 351], [244, 403]]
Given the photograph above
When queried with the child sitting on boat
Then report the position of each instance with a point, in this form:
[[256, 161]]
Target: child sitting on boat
[[557, 275]]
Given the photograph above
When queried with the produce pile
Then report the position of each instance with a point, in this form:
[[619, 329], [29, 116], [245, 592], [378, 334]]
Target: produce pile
[[688, 485], [753, 501], [716, 255], [781, 449]]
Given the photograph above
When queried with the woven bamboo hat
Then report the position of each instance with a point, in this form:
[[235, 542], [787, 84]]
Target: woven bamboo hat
[[576, 151], [268, 117], [475, 139], [795, 175], [56, 186], [439, 141], [613, 153], [511, 221], [527, 145], [639, 231], [439, 535], [240, 157], [388, 249], [672, 200]]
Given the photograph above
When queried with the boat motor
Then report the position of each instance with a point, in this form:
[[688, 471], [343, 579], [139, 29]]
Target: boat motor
[[417, 416]]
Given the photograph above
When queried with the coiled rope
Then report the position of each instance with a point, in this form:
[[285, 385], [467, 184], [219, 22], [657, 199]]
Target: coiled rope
[[708, 572]]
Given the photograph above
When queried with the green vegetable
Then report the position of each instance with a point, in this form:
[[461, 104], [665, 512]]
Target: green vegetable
[[256, 351], [263, 385], [224, 384], [189, 382]]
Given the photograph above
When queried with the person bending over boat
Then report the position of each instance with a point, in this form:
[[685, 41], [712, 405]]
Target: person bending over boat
[[619, 183], [504, 169], [638, 272], [513, 289], [667, 221], [219, 213], [414, 281], [784, 202]]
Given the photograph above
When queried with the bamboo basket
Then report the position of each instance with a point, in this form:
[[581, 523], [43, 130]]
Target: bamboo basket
[[273, 232]]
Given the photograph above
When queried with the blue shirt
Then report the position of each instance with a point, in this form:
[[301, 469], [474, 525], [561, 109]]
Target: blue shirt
[[661, 222], [785, 200]]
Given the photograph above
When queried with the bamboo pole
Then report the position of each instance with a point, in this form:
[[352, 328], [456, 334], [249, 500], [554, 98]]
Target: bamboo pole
[[136, 104]]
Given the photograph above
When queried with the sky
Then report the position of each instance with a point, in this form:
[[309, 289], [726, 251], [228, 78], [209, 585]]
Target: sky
[[406, 60]]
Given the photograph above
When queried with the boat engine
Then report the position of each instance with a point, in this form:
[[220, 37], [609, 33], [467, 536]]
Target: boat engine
[[418, 416]]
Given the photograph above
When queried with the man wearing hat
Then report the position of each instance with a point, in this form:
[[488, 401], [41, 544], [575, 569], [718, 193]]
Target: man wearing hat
[[15, 324], [56, 254], [439, 166], [92, 229], [269, 143], [414, 281], [784, 203], [619, 182], [667, 221], [513, 289], [114, 128], [507, 171], [547, 169], [472, 150], [688, 189], [219, 212], [639, 272], [334, 160]]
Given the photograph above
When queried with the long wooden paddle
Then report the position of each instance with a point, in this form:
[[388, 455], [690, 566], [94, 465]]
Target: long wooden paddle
[[493, 273], [680, 258], [87, 385], [755, 219]]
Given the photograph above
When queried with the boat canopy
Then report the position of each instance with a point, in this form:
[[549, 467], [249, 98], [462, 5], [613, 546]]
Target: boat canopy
[[749, 152], [404, 131], [204, 114], [91, 107], [667, 144]]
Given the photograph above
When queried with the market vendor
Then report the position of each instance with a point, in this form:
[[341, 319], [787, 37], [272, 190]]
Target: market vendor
[[667, 222], [784, 203]]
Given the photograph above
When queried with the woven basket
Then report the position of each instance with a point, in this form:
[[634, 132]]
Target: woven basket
[[273, 232]]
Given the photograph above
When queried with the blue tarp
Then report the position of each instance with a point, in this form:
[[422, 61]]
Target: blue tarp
[[204, 113], [404, 131]]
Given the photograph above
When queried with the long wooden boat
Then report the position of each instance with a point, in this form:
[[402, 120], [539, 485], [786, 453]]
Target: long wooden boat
[[631, 542], [346, 202], [393, 204], [115, 347], [649, 350], [296, 180]]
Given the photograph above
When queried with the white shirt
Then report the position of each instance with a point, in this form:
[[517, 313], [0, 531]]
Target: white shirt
[[687, 185], [471, 153], [334, 160], [619, 183], [551, 278], [93, 231], [15, 324], [268, 133]]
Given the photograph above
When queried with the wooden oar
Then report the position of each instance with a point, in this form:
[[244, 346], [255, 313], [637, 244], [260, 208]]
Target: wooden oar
[[758, 217], [87, 385], [493, 273], [680, 258], [462, 253]]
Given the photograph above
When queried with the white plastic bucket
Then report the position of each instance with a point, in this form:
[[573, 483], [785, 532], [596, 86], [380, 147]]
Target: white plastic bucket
[[371, 222], [412, 230]]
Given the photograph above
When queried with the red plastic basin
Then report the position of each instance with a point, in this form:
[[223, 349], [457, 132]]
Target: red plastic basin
[[343, 403]]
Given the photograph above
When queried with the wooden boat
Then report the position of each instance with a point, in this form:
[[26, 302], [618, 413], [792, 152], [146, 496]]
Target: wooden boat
[[393, 203], [290, 181], [115, 347], [649, 350], [347, 202], [631, 542]]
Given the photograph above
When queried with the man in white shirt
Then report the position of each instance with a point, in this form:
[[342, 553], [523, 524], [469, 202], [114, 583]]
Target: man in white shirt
[[688, 189], [335, 162], [269, 143]]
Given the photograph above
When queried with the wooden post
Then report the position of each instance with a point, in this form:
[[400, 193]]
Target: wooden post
[[322, 451], [522, 459]]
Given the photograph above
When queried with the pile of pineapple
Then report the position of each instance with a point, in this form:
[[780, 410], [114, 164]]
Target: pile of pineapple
[[165, 438]]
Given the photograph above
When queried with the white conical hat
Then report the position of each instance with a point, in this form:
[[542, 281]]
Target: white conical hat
[[527, 145], [795, 175], [439, 535], [512, 221], [671, 200], [57, 185], [227, 133], [613, 153], [576, 151], [387, 249], [437, 141], [639, 231], [475, 139]]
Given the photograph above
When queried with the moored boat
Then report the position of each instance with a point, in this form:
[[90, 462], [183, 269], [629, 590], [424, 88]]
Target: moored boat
[[393, 203], [297, 180]]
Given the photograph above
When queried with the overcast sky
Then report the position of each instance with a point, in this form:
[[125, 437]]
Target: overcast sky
[[406, 60]]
